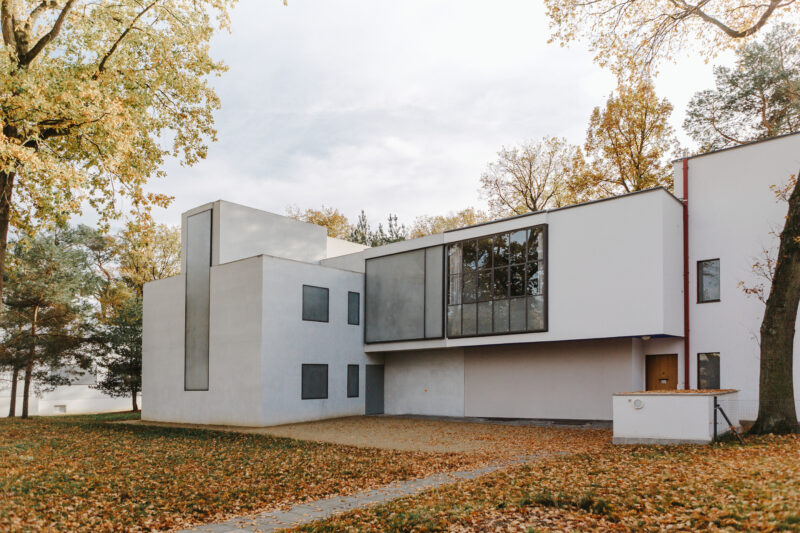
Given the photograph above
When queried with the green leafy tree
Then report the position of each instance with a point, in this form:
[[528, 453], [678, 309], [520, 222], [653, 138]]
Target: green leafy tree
[[119, 354], [94, 96], [759, 97], [47, 318]]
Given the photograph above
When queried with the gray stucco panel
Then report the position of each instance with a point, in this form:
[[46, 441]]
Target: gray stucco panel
[[198, 278], [395, 297]]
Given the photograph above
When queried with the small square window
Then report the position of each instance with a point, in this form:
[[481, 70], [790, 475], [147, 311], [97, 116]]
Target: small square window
[[315, 382], [353, 308], [708, 370], [352, 381], [708, 281], [315, 303]]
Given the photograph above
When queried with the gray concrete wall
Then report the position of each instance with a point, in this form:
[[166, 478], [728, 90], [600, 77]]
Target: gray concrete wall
[[425, 382]]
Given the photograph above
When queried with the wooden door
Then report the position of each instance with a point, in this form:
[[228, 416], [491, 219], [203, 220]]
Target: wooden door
[[661, 372]]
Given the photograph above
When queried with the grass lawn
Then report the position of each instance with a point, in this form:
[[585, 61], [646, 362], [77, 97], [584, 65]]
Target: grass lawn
[[81, 473], [755, 487]]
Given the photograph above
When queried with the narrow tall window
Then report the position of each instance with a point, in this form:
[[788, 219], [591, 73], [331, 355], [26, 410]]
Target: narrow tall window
[[352, 381], [708, 370], [353, 308], [314, 382], [708, 281], [315, 303]]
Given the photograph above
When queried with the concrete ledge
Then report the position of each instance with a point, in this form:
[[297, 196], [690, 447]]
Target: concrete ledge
[[642, 440]]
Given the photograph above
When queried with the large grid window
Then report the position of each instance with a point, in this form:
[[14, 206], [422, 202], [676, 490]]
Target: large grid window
[[708, 370], [496, 284]]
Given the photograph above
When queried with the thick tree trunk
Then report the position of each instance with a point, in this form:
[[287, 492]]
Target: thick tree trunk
[[27, 388], [12, 405], [776, 408], [6, 191], [134, 392]]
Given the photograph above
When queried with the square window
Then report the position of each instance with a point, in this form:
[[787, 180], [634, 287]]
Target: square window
[[315, 303], [708, 281], [352, 381], [708, 370], [353, 308], [314, 382]]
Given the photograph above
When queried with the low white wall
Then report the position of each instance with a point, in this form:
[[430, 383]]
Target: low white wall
[[564, 380], [235, 392], [76, 399], [670, 418], [427, 382]]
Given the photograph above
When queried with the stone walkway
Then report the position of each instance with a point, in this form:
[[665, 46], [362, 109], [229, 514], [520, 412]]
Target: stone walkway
[[320, 509]]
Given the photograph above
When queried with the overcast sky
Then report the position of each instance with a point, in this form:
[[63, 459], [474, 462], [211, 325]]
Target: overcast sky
[[389, 106]]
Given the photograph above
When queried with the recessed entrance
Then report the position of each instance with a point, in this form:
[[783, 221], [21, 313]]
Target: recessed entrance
[[661, 372]]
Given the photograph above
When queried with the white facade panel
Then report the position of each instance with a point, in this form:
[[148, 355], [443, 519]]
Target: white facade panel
[[425, 382]]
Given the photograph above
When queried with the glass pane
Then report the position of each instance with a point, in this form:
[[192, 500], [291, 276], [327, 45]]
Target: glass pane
[[500, 283], [484, 285], [455, 259], [535, 245], [501, 249], [468, 288], [516, 246], [708, 371], [535, 278], [485, 253], [500, 316], [517, 285], [353, 308], [453, 320], [468, 253], [454, 290], [517, 314], [710, 280], [315, 303], [352, 381], [535, 313], [468, 319], [484, 318], [314, 384]]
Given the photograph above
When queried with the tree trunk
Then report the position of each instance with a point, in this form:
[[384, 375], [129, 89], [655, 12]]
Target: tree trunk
[[27, 388], [776, 408], [12, 406], [6, 191], [134, 392]]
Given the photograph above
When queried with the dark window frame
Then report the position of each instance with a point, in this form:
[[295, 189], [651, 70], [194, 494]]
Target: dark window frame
[[358, 308], [543, 290], [700, 263], [327, 309], [719, 369], [303, 396], [350, 383]]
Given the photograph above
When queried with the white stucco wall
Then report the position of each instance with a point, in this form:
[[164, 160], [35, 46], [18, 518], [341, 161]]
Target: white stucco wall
[[235, 391], [563, 380], [670, 418], [732, 212], [290, 342], [425, 382], [607, 277]]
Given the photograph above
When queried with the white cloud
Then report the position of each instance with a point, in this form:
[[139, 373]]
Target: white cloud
[[389, 106]]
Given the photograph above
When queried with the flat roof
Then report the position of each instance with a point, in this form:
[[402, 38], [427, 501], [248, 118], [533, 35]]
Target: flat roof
[[749, 143], [571, 206]]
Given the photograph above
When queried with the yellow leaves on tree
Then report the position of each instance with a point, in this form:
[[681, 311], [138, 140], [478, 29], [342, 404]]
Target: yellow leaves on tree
[[430, 224], [337, 224], [635, 35]]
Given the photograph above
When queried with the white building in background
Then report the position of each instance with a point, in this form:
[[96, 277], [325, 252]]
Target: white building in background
[[544, 315], [79, 397]]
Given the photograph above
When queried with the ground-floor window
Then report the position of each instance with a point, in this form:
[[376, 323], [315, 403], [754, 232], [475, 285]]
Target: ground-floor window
[[352, 381], [314, 382], [708, 370]]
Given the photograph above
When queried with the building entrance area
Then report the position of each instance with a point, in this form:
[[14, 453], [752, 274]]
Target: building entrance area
[[661, 372], [374, 390]]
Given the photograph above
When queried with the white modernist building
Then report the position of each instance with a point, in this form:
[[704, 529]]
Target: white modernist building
[[544, 315]]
